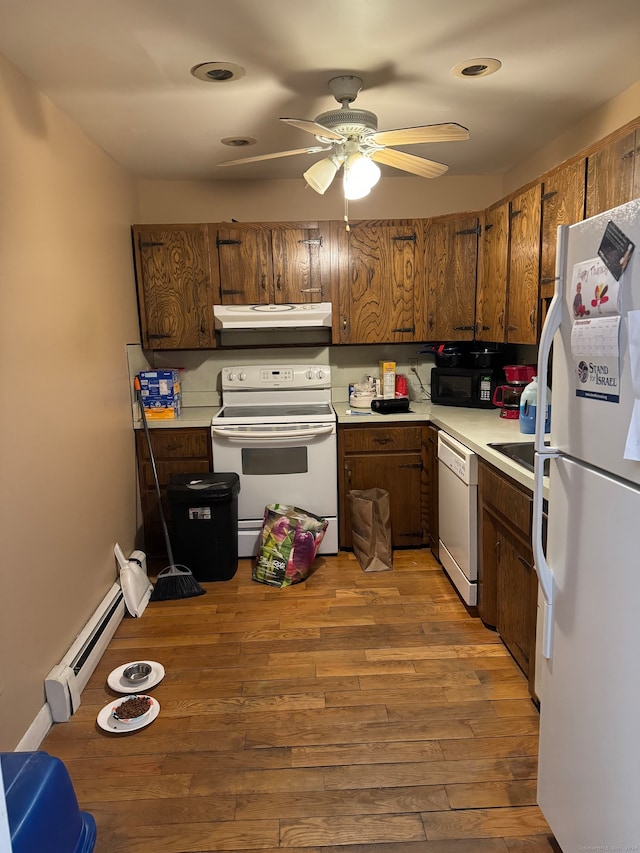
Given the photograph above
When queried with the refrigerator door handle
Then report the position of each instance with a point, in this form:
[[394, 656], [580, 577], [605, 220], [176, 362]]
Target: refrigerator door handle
[[551, 325], [543, 569]]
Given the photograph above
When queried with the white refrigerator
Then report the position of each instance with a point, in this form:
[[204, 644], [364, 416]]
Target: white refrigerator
[[589, 626]]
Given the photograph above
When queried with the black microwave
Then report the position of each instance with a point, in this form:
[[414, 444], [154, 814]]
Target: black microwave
[[461, 386]]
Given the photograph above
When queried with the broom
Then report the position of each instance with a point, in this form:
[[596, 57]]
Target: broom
[[176, 581]]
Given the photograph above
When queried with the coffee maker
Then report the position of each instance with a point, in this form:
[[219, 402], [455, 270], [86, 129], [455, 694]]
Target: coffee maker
[[507, 396]]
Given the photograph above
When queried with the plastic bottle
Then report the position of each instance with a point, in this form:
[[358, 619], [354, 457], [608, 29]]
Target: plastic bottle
[[528, 405]]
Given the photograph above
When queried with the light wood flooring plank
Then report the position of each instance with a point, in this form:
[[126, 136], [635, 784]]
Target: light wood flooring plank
[[357, 712]]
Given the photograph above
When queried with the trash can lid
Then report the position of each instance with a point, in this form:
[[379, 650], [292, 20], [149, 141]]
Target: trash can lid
[[215, 485]]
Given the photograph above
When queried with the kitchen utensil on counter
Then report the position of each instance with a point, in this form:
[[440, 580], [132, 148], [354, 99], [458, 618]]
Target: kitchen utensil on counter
[[486, 356], [507, 398], [522, 373], [174, 581], [448, 354]]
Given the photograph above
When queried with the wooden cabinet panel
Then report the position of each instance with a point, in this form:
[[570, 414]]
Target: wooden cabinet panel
[[176, 451], [376, 439], [507, 498], [563, 201], [507, 583], [175, 289], [400, 476], [491, 303], [451, 254], [389, 458], [613, 174], [524, 267], [377, 270], [273, 263], [516, 612], [301, 264], [430, 488]]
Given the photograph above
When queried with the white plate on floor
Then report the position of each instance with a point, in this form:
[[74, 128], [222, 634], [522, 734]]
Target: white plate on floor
[[107, 721], [117, 682]]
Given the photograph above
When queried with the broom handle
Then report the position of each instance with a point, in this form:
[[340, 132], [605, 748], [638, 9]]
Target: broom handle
[[165, 529]]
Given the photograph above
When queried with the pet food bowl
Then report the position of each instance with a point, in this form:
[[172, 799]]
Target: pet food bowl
[[137, 672], [134, 719]]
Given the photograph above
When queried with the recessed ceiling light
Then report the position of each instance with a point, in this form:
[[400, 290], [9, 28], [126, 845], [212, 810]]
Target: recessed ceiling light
[[238, 141], [218, 72], [480, 67]]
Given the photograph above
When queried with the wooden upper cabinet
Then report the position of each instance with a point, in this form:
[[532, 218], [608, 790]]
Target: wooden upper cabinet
[[613, 174], [377, 269], [493, 275], [273, 263], [563, 201], [524, 267], [451, 256], [175, 290]]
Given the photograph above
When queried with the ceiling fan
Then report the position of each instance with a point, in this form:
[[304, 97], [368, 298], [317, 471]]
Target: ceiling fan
[[352, 140]]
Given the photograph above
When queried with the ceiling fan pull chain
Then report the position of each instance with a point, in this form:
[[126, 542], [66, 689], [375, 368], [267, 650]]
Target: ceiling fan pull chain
[[346, 214]]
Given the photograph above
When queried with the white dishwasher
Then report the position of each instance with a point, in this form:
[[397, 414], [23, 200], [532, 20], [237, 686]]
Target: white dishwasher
[[458, 511]]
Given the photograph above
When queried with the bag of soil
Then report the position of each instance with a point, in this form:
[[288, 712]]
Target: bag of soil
[[371, 529], [289, 543]]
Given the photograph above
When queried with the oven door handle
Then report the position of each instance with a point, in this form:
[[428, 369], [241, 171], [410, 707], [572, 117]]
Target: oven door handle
[[246, 436]]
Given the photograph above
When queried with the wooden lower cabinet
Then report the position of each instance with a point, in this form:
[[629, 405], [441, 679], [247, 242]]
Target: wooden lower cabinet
[[176, 451], [430, 488], [507, 582], [390, 458]]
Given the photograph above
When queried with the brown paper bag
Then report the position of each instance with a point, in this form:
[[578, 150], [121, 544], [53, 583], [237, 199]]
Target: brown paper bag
[[371, 529]]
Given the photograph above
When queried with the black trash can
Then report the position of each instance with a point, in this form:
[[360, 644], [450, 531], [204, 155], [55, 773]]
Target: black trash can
[[204, 511]]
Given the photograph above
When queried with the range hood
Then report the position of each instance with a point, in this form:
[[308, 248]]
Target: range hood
[[307, 315]]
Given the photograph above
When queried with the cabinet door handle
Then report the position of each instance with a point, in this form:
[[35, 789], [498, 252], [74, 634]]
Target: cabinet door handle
[[511, 328], [312, 241], [412, 465], [464, 328], [383, 440], [311, 290], [549, 195], [263, 281], [632, 153], [278, 282], [548, 280], [406, 329], [158, 337], [527, 565]]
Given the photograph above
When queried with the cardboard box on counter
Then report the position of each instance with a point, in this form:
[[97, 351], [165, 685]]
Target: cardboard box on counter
[[156, 410], [159, 383], [388, 379]]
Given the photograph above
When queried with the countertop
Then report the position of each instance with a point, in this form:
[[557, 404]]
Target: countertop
[[475, 428]]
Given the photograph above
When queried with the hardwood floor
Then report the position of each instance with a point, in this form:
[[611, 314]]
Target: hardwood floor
[[358, 711]]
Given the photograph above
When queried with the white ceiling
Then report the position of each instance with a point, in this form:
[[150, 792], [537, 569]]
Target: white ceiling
[[121, 70]]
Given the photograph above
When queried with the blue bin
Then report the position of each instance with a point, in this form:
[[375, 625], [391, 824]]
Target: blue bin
[[42, 807]]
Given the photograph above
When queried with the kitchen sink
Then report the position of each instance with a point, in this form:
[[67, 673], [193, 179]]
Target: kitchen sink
[[521, 452]]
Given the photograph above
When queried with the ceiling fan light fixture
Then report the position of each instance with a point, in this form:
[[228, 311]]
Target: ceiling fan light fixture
[[320, 176], [361, 174]]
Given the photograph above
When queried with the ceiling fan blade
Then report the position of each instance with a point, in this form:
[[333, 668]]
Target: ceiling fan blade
[[313, 127], [409, 163], [316, 149], [448, 132]]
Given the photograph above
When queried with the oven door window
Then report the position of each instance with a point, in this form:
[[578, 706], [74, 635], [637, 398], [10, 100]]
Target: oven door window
[[263, 461]]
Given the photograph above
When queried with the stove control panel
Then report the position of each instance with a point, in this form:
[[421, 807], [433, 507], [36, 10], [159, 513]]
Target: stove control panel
[[265, 377]]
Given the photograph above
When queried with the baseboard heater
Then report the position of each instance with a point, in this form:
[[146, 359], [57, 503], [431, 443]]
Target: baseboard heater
[[67, 680]]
